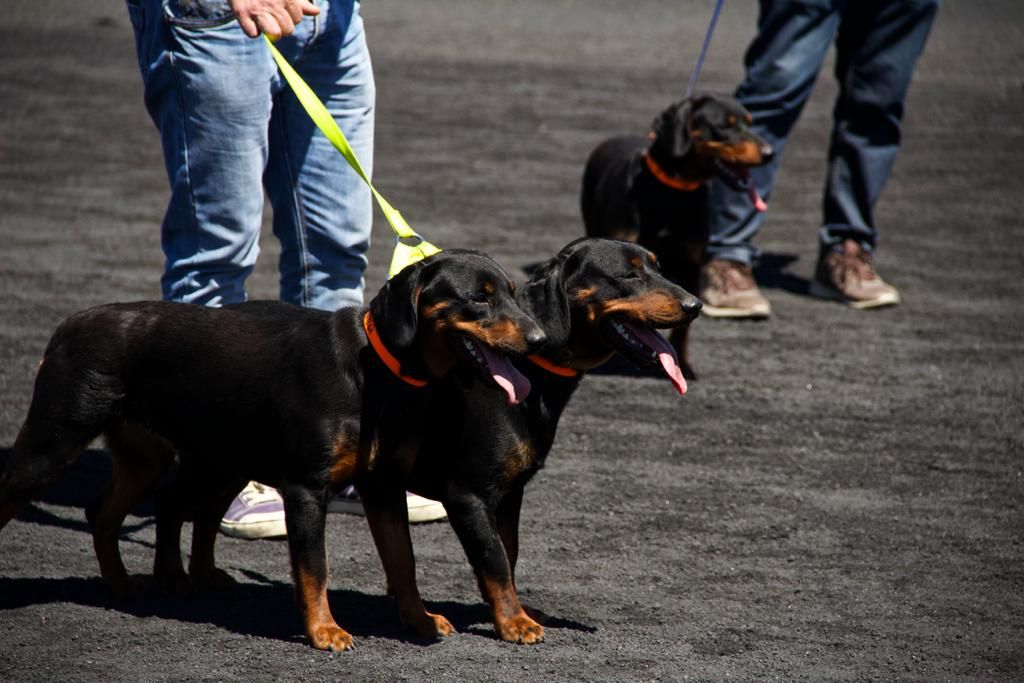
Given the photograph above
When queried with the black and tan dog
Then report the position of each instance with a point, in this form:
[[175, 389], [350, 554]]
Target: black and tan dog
[[653, 190], [301, 400], [595, 298]]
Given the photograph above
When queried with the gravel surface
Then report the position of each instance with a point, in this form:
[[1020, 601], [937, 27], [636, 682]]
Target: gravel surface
[[839, 497]]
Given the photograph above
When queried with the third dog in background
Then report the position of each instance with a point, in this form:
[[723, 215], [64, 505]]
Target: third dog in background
[[653, 190]]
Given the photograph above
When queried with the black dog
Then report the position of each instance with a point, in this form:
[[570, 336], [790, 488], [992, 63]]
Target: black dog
[[654, 191], [301, 400], [594, 298]]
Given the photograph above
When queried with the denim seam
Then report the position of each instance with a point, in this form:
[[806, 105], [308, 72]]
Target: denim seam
[[200, 23], [300, 220], [179, 91]]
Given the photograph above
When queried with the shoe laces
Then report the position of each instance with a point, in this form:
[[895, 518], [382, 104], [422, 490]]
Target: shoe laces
[[255, 493], [856, 261], [734, 276]]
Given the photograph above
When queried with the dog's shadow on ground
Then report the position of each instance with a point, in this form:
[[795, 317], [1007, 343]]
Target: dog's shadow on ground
[[263, 609], [257, 606]]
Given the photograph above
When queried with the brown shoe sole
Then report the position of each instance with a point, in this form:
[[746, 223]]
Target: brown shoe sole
[[822, 291]]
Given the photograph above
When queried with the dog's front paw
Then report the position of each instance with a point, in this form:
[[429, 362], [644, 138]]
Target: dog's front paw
[[330, 637], [520, 629], [429, 625]]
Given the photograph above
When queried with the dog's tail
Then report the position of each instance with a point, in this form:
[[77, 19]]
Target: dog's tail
[[69, 409], [36, 461]]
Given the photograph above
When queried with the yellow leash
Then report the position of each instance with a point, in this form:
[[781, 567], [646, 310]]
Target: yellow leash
[[409, 246]]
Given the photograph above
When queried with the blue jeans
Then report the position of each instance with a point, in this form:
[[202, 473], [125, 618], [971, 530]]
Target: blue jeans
[[230, 128], [877, 46]]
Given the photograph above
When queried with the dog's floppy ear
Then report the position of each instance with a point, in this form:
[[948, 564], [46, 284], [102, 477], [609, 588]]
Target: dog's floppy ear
[[395, 309], [544, 298], [671, 130]]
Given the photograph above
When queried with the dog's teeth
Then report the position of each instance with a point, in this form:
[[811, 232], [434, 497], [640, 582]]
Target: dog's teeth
[[474, 352]]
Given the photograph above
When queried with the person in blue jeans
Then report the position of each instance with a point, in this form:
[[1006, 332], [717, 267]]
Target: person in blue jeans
[[877, 45], [231, 129]]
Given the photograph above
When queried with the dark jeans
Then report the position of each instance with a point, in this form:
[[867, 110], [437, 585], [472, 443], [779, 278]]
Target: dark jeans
[[877, 46]]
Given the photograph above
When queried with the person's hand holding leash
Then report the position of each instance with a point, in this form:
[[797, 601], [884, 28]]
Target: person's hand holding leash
[[275, 18]]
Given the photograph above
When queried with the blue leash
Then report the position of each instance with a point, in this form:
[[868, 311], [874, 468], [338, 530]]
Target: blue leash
[[704, 50]]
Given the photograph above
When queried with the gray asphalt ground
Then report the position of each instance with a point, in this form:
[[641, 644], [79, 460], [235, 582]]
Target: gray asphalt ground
[[839, 497]]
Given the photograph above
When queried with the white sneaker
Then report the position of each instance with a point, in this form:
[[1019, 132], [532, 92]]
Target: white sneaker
[[256, 512], [420, 509]]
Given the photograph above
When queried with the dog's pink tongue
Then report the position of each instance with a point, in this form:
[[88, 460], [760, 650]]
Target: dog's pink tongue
[[666, 354], [755, 198], [513, 383]]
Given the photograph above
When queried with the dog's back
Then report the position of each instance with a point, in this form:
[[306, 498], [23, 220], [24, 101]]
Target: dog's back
[[605, 199], [619, 200]]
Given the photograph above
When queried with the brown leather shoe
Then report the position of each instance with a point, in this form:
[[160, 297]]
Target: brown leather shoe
[[729, 291], [849, 276]]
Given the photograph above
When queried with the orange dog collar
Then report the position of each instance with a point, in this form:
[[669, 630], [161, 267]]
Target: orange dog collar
[[554, 369], [385, 356], [665, 178]]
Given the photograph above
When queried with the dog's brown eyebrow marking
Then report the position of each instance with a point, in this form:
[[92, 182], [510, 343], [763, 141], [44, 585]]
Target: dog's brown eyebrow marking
[[433, 309], [731, 120], [583, 293], [636, 262], [489, 287]]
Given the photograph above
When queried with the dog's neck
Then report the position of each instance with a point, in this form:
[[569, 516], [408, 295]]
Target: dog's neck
[[562, 355], [682, 174], [383, 353], [669, 179]]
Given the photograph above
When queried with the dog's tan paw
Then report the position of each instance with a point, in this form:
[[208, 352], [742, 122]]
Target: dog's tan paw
[[520, 629], [331, 637], [427, 625]]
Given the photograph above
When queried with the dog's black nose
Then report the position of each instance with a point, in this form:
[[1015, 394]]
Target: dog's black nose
[[691, 307], [767, 153], [534, 335]]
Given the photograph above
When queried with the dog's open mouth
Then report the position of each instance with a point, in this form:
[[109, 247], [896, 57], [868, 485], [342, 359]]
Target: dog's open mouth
[[494, 368], [738, 178], [646, 348]]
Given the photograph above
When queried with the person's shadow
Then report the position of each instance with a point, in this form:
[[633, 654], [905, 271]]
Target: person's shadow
[[772, 272]]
